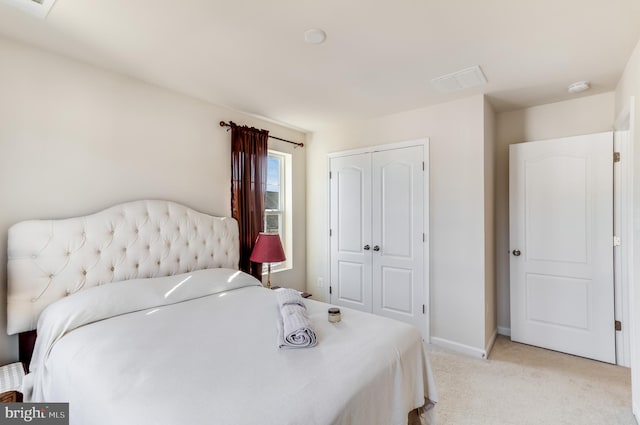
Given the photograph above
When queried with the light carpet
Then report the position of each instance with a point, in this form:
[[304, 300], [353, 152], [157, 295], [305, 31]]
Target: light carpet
[[522, 385]]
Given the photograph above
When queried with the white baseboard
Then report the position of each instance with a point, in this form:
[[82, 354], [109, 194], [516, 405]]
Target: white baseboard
[[459, 348], [504, 331]]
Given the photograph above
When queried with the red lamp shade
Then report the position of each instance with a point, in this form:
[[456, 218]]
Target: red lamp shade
[[267, 249]]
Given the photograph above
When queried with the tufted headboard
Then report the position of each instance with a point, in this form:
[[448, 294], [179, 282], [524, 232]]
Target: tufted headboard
[[49, 259]]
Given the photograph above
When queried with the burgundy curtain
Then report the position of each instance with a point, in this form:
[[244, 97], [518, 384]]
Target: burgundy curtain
[[248, 185]]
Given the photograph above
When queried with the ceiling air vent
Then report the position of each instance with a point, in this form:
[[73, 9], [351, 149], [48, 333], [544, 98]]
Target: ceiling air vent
[[39, 8], [463, 79]]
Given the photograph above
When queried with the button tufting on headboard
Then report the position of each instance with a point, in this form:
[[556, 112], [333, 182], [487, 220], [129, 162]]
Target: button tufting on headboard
[[127, 241]]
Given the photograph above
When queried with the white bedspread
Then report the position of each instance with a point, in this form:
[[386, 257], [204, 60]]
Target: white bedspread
[[198, 349]]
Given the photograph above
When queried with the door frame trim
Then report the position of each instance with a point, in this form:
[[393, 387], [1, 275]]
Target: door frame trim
[[626, 121], [378, 148], [424, 142], [623, 216]]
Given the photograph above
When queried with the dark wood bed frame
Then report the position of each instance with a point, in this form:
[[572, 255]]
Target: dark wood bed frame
[[26, 342]]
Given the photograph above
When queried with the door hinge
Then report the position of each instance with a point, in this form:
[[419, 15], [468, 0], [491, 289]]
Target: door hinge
[[330, 175], [616, 157], [330, 290], [423, 309], [422, 165], [424, 238], [618, 325], [330, 232], [616, 241]]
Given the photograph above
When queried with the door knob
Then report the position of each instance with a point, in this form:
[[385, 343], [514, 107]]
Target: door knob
[[367, 248], [376, 248], [516, 252]]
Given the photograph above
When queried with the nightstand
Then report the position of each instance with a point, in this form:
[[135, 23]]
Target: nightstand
[[10, 381], [302, 294]]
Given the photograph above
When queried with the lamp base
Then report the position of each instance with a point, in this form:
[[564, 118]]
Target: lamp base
[[269, 276]]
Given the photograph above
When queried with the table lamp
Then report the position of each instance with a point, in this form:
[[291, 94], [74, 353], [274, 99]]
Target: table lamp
[[267, 249]]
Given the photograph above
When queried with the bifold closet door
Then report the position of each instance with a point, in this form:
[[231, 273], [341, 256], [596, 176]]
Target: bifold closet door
[[377, 233], [398, 234], [351, 231]]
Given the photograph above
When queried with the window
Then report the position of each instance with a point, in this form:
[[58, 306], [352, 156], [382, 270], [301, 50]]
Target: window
[[273, 200], [277, 213]]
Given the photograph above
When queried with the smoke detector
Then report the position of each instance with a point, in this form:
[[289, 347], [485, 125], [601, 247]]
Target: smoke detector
[[315, 36], [579, 86], [39, 8]]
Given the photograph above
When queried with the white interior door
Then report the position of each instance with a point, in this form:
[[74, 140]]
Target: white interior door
[[398, 240], [351, 231], [561, 237]]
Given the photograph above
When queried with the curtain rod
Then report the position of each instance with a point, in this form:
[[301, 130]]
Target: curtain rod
[[226, 124]]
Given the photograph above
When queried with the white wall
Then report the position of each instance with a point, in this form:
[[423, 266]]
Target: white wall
[[628, 86], [457, 201], [75, 139], [584, 115]]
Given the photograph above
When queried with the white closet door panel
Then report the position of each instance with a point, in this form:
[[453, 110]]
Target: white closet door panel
[[351, 284], [351, 231], [397, 291], [350, 219], [398, 204]]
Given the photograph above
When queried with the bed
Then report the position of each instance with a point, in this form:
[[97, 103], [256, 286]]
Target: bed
[[143, 318]]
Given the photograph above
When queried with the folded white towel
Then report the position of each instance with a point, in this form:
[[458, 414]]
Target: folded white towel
[[289, 296], [294, 328]]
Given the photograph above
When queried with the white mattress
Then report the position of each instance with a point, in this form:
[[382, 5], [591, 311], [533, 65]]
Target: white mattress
[[207, 354]]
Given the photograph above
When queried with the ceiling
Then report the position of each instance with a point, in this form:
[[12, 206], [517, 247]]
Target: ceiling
[[378, 59]]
